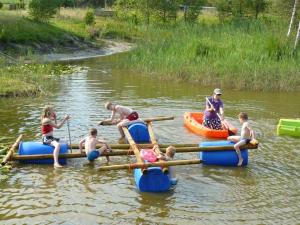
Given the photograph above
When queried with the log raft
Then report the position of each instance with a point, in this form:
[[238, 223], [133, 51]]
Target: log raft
[[124, 152], [11, 151], [161, 118]]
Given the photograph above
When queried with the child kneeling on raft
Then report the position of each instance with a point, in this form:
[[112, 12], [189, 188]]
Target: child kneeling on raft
[[127, 116], [90, 143], [247, 136]]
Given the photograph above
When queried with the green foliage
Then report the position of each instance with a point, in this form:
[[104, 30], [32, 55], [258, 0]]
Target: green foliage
[[89, 17], [192, 9], [43, 10], [68, 3], [1, 5], [241, 8]]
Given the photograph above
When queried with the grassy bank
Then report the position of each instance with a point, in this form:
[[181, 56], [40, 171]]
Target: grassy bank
[[30, 79], [21, 38], [253, 55]]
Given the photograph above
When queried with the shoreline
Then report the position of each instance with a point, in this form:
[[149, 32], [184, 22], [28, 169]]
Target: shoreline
[[110, 48]]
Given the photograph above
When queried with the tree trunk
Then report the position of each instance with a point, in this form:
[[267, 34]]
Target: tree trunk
[[292, 18], [297, 36]]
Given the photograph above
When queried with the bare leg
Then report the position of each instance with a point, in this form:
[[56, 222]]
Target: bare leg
[[234, 139], [120, 125], [56, 153], [238, 151], [104, 149]]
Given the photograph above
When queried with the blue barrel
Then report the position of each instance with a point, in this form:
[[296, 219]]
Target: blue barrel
[[154, 181], [139, 133], [222, 158], [34, 148]]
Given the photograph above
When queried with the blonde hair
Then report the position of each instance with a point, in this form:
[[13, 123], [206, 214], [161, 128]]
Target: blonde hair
[[47, 110], [170, 151], [107, 105]]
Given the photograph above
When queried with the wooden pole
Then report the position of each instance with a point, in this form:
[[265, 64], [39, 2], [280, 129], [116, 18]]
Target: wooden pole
[[121, 152], [155, 164], [134, 148], [154, 142], [292, 18], [10, 152], [161, 118], [297, 36], [127, 146]]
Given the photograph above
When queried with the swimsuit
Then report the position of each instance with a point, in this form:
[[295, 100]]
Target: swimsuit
[[132, 116], [47, 140]]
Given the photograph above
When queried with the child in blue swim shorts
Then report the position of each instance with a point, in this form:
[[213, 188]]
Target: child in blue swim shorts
[[90, 146]]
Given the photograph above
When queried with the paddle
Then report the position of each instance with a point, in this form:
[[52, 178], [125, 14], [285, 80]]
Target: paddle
[[68, 124], [223, 122]]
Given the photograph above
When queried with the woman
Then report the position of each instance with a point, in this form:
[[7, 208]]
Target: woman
[[214, 111]]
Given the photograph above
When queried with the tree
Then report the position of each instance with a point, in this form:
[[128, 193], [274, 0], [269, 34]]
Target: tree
[[292, 18], [258, 6], [192, 9], [43, 10]]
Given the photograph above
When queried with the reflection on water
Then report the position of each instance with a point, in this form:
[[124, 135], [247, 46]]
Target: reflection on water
[[265, 192]]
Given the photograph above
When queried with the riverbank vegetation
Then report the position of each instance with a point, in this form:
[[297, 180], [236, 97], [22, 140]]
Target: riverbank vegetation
[[237, 44]]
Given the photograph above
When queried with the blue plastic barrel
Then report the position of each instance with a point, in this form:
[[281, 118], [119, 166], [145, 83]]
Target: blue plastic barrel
[[34, 148], [222, 158], [154, 181], [139, 132]]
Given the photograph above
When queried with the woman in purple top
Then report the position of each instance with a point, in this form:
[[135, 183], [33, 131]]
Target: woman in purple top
[[214, 111]]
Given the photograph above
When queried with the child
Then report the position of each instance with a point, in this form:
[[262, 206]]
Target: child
[[91, 142], [247, 136], [48, 121], [127, 117], [154, 154]]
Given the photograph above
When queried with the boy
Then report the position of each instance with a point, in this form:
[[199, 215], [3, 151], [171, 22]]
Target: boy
[[127, 117], [247, 136], [91, 142]]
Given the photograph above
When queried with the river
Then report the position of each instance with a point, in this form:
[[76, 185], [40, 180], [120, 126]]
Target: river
[[264, 192]]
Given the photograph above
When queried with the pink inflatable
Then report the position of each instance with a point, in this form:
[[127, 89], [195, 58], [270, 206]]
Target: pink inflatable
[[149, 155]]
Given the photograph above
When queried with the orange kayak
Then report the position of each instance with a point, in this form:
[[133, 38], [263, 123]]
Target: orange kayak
[[193, 121]]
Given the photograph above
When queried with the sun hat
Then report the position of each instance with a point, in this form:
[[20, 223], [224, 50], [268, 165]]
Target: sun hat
[[217, 91]]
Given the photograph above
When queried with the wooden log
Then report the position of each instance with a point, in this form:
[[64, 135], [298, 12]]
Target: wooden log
[[127, 146], [122, 152], [161, 118], [134, 147], [154, 142], [147, 165], [11, 150]]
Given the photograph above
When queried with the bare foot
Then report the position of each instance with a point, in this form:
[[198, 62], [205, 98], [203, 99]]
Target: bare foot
[[57, 165], [254, 142], [240, 162]]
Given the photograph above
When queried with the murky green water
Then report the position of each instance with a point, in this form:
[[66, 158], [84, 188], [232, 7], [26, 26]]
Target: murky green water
[[265, 192]]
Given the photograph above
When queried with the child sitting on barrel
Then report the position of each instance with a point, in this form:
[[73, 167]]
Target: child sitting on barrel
[[90, 143], [247, 136], [127, 116], [154, 154]]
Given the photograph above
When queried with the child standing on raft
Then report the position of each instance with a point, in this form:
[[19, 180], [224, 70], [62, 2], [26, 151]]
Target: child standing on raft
[[127, 116], [247, 136], [48, 122], [90, 143]]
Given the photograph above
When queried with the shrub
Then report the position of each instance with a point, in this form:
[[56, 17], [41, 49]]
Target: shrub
[[1, 5], [89, 18], [43, 10]]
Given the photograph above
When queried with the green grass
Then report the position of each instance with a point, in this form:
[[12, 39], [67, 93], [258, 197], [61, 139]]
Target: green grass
[[251, 55], [30, 79]]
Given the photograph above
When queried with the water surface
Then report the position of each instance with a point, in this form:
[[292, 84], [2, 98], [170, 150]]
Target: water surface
[[265, 192]]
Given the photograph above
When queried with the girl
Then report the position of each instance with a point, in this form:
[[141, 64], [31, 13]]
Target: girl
[[48, 121]]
